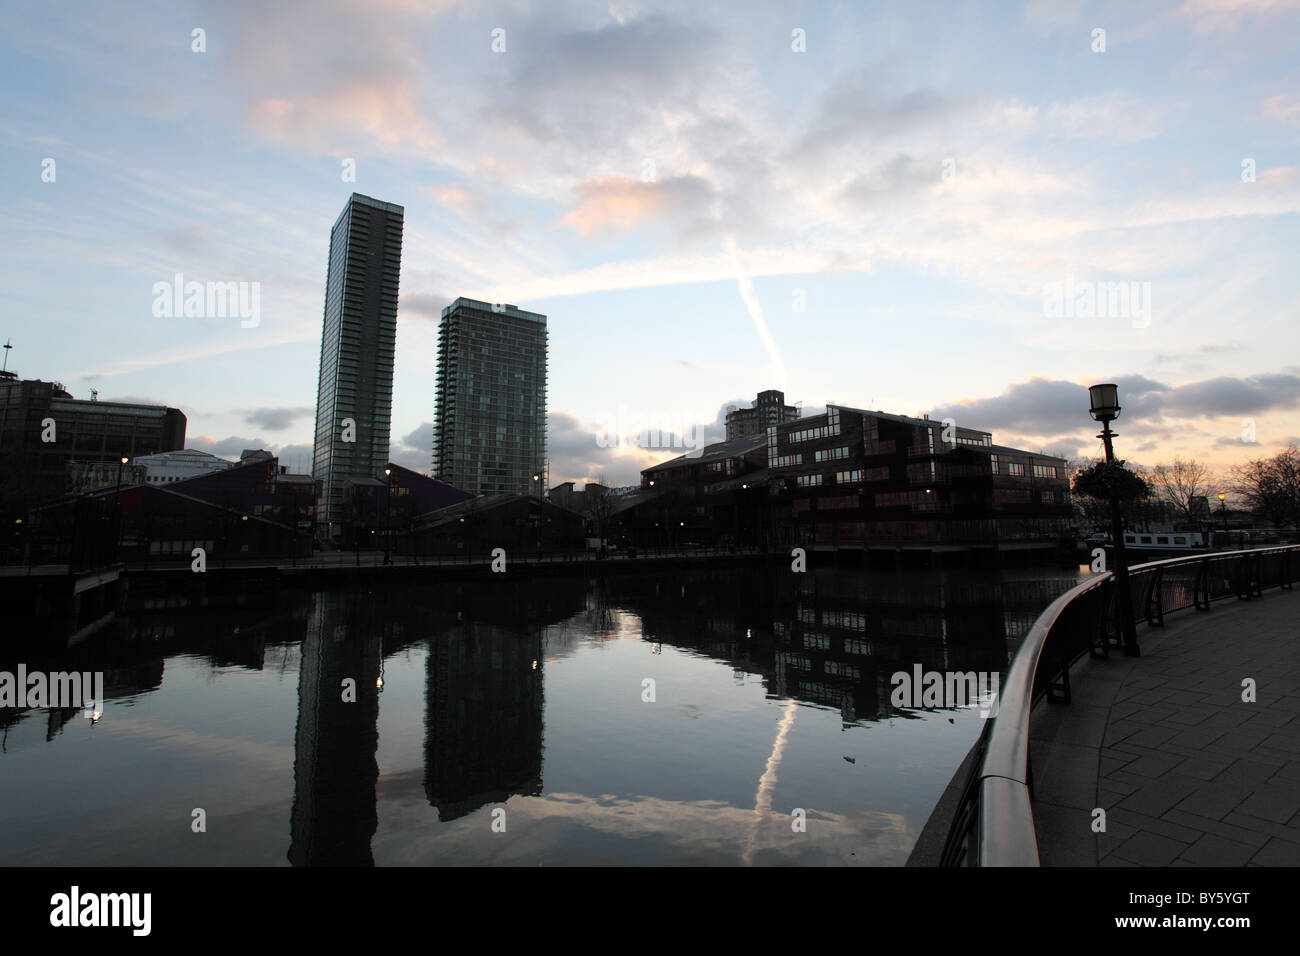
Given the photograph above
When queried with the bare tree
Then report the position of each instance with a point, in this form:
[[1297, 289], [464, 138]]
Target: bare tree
[[1271, 486], [598, 504], [1179, 484]]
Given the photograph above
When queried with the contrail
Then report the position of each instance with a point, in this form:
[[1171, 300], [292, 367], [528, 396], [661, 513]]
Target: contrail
[[763, 798], [755, 310]]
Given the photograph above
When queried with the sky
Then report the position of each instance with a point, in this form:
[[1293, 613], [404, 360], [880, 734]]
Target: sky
[[970, 210]]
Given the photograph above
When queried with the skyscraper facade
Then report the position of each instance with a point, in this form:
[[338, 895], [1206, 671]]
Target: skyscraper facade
[[489, 425], [354, 400]]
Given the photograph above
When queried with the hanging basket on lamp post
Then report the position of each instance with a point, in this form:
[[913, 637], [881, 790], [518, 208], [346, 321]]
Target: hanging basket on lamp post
[[1109, 479]]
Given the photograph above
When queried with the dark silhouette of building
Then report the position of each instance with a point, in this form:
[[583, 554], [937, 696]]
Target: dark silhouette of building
[[483, 717], [334, 817], [382, 510], [521, 524], [81, 433]]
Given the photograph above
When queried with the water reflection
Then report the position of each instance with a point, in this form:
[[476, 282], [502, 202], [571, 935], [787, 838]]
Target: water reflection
[[334, 767], [498, 674]]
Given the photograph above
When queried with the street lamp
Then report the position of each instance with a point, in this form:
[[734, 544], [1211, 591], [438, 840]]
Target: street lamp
[[117, 538], [1104, 406], [1223, 510], [388, 503]]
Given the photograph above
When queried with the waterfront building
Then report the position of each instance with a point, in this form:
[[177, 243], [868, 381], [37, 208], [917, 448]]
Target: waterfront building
[[768, 409], [48, 437], [376, 519], [489, 432], [354, 396], [521, 524], [854, 475], [713, 496]]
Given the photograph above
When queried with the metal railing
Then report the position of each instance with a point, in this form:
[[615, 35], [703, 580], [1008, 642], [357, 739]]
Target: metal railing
[[994, 822]]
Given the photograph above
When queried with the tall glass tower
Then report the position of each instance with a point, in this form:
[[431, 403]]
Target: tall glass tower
[[489, 422], [354, 400]]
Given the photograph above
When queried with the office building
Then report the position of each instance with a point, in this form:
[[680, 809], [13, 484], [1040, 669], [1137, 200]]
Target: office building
[[489, 432], [48, 439], [767, 410], [855, 475], [354, 398]]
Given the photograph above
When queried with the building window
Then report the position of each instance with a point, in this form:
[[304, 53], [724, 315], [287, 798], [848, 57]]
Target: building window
[[1045, 471], [809, 481], [831, 454], [1015, 469], [993, 464]]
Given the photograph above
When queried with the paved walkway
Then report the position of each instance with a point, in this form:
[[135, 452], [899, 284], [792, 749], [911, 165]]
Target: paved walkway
[[1188, 773]]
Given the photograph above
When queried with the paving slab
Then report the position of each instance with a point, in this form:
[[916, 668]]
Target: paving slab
[[1188, 772]]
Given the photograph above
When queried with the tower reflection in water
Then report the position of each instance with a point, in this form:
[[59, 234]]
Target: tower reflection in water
[[334, 767], [829, 640], [483, 721], [483, 704]]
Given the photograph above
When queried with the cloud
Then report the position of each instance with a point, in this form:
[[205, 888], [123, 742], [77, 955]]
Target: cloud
[[1212, 16], [276, 419], [1285, 108], [1042, 406], [414, 450], [1235, 396], [580, 451], [424, 305], [472, 206], [189, 238], [1037, 407], [1111, 116], [350, 80], [296, 457], [893, 183], [229, 447], [619, 203]]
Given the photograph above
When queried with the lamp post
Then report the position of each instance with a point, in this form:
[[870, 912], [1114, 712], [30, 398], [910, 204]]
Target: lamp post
[[117, 538], [1223, 510], [388, 502], [1104, 406]]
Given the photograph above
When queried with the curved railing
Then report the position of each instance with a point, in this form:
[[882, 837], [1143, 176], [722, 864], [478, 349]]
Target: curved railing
[[994, 823]]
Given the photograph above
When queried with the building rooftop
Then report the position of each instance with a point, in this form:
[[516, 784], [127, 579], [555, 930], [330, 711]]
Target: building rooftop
[[904, 419], [499, 308], [192, 453], [1007, 449], [719, 450]]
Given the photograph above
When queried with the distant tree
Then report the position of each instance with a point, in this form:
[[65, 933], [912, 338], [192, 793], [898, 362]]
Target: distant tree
[[1271, 486], [1179, 483], [1088, 512]]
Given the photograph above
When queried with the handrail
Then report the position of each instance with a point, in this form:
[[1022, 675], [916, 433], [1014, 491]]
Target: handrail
[[994, 824]]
